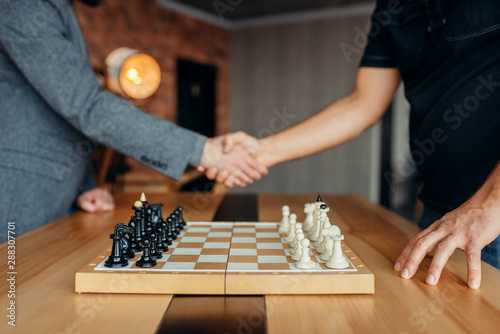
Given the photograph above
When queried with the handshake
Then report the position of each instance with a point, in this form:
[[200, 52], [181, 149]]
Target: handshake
[[235, 159]]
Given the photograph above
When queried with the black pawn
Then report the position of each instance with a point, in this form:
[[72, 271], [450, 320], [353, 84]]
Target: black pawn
[[116, 259], [175, 219], [181, 218], [160, 245], [155, 254], [167, 235], [146, 261], [171, 231]]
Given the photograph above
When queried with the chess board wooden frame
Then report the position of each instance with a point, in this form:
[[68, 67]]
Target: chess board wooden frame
[[357, 279]]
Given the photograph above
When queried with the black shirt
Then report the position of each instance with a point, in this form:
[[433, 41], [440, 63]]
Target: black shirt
[[448, 54]]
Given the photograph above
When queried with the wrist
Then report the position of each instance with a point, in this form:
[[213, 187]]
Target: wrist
[[269, 155]]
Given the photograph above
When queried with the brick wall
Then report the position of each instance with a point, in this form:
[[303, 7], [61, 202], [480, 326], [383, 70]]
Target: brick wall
[[165, 35]]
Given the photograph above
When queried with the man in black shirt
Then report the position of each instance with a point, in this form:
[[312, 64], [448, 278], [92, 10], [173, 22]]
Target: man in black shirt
[[447, 53]]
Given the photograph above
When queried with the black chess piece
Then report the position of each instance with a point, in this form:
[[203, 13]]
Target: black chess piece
[[161, 245], [148, 225], [154, 253], [134, 245], [318, 199], [181, 218], [322, 206], [175, 219], [167, 235], [172, 235], [126, 245], [117, 258], [138, 224], [146, 261]]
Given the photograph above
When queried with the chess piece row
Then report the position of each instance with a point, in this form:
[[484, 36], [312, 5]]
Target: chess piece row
[[147, 233], [317, 227]]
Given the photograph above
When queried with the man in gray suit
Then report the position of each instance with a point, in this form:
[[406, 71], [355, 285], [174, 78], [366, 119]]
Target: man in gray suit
[[53, 112]]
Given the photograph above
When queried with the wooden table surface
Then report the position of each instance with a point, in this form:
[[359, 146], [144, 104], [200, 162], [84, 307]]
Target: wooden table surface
[[47, 259]]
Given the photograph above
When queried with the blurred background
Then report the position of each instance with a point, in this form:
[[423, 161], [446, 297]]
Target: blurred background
[[258, 66]]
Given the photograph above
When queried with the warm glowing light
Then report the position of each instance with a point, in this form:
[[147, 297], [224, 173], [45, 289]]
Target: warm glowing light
[[140, 76], [132, 74]]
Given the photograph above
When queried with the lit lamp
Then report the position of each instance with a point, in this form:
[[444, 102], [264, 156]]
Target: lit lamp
[[132, 74]]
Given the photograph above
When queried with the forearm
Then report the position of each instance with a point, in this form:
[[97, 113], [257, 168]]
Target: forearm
[[338, 123], [489, 193]]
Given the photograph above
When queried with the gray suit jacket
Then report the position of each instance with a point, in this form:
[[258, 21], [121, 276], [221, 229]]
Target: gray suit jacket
[[52, 113]]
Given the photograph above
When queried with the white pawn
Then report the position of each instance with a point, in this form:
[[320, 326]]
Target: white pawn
[[320, 219], [305, 261], [327, 254], [324, 238], [298, 229], [297, 251], [285, 224], [309, 211], [337, 260], [293, 221]]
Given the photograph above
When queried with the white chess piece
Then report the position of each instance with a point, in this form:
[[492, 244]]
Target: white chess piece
[[309, 211], [324, 238], [337, 260], [285, 224], [297, 251], [305, 261], [324, 223], [331, 230], [327, 254], [298, 229], [291, 235], [320, 219]]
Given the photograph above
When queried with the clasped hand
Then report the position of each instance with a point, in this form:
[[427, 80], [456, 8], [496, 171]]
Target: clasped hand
[[232, 160]]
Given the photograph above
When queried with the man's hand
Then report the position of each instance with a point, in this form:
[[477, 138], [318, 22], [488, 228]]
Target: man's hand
[[96, 200], [236, 167], [470, 227], [236, 141]]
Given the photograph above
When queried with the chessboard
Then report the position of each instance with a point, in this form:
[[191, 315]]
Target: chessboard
[[228, 258]]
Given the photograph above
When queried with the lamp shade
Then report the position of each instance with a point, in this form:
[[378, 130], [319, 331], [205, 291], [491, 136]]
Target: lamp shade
[[132, 74]]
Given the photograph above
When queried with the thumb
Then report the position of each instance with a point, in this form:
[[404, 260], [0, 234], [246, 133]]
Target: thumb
[[232, 139]]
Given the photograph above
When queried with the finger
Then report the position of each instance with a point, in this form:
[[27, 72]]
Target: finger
[[398, 266], [243, 179], [231, 139], [229, 181], [474, 267], [87, 205], [222, 176], [420, 248], [201, 169], [246, 166], [212, 173], [443, 252], [258, 167]]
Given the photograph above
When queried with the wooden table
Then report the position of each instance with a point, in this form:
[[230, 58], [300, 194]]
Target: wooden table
[[47, 259]]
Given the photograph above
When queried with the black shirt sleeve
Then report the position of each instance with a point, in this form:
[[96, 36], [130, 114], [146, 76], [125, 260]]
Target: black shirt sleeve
[[377, 52]]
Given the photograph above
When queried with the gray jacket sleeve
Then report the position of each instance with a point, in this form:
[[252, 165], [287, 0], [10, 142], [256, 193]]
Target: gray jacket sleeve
[[35, 35]]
